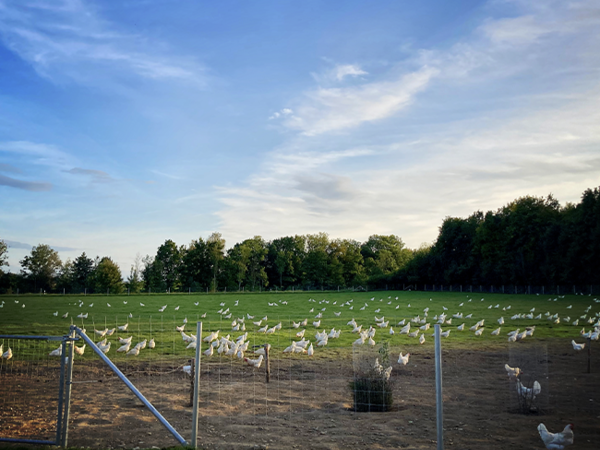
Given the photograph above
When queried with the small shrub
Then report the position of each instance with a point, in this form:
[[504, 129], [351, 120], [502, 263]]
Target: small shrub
[[372, 387]]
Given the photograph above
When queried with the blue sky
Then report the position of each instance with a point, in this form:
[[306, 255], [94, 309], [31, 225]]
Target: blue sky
[[123, 124]]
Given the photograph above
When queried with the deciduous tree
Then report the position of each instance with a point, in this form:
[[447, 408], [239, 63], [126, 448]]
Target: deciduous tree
[[41, 267]]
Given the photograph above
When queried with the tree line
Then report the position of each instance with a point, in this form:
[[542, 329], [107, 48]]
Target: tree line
[[530, 241]]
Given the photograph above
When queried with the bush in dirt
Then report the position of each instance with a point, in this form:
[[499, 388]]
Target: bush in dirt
[[372, 387]]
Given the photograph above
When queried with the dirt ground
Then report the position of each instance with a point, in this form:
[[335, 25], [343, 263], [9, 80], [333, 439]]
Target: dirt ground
[[308, 403]]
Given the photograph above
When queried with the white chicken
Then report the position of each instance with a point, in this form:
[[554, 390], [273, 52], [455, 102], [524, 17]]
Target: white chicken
[[7, 354], [56, 352], [577, 347], [255, 362], [124, 348], [556, 441], [529, 393], [512, 372], [403, 359]]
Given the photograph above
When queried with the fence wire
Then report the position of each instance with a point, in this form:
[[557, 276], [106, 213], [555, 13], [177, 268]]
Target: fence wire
[[309, 402], [29, 386]]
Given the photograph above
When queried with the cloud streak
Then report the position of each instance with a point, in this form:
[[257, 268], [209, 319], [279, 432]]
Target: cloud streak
[[526, 136], [69, 39], [335, 109], [31, 186], [96, 175]]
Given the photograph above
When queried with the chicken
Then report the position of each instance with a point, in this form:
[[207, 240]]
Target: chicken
[[359, 341], [212, 336], [56, 352], [104, 348], [79, 350], [124, 348], [529, 393], [123, 327], [255, 362], [556, 441], [134, 351], [7, 354], [577, 347], [512, 372], [403, 359], [151, 344], [101, 333]]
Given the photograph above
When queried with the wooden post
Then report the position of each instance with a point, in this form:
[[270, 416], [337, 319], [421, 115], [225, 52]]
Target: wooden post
[[589, 346], [268, 362]]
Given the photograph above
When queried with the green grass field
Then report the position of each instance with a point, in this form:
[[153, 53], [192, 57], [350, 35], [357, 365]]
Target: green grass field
[[34, 315]]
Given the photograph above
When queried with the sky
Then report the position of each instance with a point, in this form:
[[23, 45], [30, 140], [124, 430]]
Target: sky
[[124, 124]]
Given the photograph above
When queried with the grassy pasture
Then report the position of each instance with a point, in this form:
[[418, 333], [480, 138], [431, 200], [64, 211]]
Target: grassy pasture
[[36, 317]]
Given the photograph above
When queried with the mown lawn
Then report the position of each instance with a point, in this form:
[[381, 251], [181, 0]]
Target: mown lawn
[[34, 315]]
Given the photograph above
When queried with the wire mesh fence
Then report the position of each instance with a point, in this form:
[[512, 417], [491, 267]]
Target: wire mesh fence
[[29, 381], [309, 402]]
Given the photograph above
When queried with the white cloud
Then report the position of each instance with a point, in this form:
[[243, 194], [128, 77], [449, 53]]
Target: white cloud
[[348, 70], [334, 109], [41, 154], [515, 31], [69, 39]]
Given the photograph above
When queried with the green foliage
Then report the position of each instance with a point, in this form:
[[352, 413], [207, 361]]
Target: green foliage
[[41, 267], [107, 277], [3, 255], [82, 270], [530, 241], [134, 281]]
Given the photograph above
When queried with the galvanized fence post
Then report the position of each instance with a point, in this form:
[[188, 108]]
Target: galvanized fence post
[[438, 389], [68, 383], [196, 385], [61, 391]]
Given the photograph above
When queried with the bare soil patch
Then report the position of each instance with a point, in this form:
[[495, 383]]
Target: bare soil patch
[[308, 404]]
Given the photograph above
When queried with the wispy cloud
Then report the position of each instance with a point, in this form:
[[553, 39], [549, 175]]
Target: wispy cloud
[[334, 109], [348, 70], [68, 38], [32, 186], [41, 154], [16, 244], [96, 175], [166, 175], [7, 168], [539, 138]]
